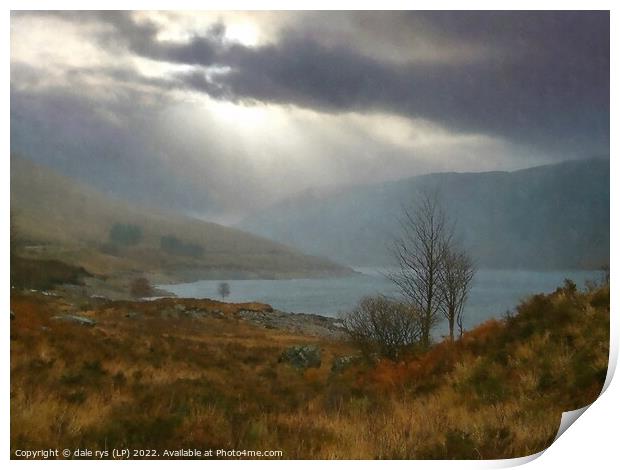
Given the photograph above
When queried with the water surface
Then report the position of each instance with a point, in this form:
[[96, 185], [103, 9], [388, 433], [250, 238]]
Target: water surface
[[493, 291]]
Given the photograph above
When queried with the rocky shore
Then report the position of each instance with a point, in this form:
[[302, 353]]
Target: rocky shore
[[96, 301], [300, 323]]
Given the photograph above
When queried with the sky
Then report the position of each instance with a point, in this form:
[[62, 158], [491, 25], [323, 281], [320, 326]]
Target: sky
[[219, 114]]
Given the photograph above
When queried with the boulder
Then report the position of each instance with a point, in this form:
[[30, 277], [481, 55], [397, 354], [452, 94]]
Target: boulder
[[302, 356]]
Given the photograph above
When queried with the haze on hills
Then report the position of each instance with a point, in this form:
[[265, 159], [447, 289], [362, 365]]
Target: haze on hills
[[548, 217], [57, 218], [222, 114], [226, 116]]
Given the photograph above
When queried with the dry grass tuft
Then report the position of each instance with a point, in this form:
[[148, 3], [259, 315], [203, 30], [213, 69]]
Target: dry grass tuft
[[182, 373]]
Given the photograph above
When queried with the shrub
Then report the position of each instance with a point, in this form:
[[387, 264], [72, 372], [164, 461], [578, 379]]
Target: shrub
[[302, 357], [570, 288], [488, 386], [383, 326]]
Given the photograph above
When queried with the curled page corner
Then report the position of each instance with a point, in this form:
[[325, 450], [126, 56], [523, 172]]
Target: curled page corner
[[566, 421], [517, 461], [568, 418]]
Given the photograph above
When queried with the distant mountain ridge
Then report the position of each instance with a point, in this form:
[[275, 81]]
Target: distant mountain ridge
[[57, 218], [547, 217]]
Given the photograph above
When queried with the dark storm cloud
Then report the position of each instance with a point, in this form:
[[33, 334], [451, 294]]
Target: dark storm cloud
[[141, 37], [535, 86], [547, 84], [200, 50]]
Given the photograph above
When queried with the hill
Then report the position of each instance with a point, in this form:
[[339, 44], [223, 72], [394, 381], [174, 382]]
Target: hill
[[56, 218], [548, 217], [196, 374]]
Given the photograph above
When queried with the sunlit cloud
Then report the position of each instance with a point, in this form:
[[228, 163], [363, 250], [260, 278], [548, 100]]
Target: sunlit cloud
[[282, 101]]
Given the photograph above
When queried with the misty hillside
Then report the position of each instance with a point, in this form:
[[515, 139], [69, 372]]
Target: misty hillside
[[547, 217], [54, 217]]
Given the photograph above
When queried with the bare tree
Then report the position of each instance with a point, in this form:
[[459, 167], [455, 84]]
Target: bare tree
[[456, 278], [381, 325], [420, 253], [223, 289]]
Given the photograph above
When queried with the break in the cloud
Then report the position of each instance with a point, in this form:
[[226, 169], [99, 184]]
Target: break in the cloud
[[225, 112]]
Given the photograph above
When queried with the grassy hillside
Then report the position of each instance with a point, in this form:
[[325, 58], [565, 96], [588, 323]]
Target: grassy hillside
[[194, 374], [548, 217], [54, 217]]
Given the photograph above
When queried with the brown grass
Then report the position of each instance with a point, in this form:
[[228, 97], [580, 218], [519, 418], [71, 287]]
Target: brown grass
[[149, 376]]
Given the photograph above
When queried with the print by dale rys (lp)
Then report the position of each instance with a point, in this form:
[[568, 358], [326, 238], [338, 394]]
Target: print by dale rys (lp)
[[306, 235]]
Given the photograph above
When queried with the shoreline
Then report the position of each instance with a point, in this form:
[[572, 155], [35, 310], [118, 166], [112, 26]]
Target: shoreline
[[255, 313]]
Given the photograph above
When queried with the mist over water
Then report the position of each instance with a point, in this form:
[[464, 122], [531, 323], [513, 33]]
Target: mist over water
[[493, 291]]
